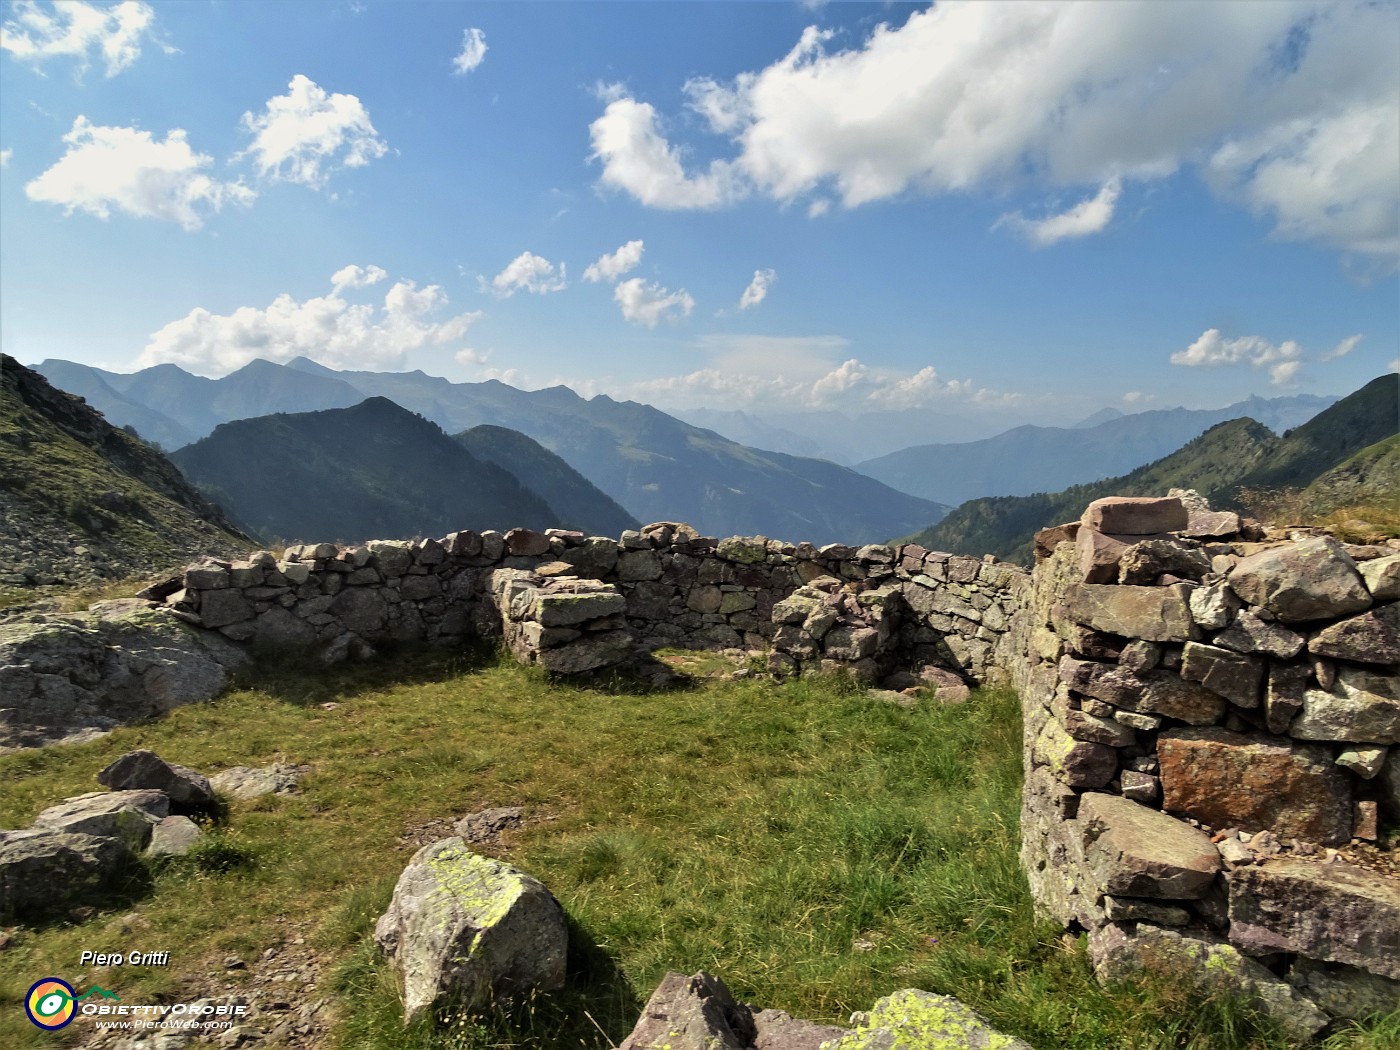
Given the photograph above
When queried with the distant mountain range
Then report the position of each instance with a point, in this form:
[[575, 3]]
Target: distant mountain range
[[1033, 459], [1349, 449], [654, 465], [81, 499]]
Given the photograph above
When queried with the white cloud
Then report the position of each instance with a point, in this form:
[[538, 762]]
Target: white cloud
[[757, 290], [5, 155], [649, 304], [470, 357], [1138, 397], [127, 169], [357, 277], [1343, 348], [806, 372], [303, 134], [1212, 350], [473, 51], [78, 30], [1087, 217], [1394, 365], [1291, 109], [611, 267], [637, 158], [526, 272], [329, 329]]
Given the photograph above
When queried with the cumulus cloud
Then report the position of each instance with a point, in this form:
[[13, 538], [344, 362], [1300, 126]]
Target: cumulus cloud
[[473, 51], [649, 304], [1087, 217], [527, 272], [1138, 397], [637, 159], [5, 155], [129, 170], [357, 277], [1293, 110], [329, 329], [757, 290], [1212, 350], [302, 135], [78, 30], [611, 267]]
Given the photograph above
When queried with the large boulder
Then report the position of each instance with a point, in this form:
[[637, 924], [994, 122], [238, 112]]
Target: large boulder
[[462, 928], [1312, 580], [145, 769], [43, 870], [914, 1020], [125, 815], [1331, 912], [68, 678]]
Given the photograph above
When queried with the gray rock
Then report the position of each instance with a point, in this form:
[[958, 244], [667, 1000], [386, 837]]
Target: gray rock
[[1345, 991], [245, 783], [125, 815], [1365, 762], [692, 1013], [1139, 852], [1144, 562], [1300, 582], [173, 837], [487, 825], [1249, 634], [1209, 964], [916, 1020], [1382, 576], [1332, 912], [779, 1030], [145, 769], [1362, 707], [1235, 676], [1154, 614], [1373, 637], [1214, 605], [462, 927], [1136, 515], [44, 870]]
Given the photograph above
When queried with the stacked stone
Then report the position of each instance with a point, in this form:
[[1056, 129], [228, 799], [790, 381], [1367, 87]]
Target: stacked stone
[[827, 626], [562, 623], [1193, 700]]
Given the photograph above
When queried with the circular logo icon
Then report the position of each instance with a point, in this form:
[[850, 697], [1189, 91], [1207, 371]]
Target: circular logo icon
[[50, 1003]]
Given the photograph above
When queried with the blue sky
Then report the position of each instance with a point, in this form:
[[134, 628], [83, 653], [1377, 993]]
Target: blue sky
[[1020, 210]]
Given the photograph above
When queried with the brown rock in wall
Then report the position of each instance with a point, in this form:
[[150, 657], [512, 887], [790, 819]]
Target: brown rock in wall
[[1255, 782]]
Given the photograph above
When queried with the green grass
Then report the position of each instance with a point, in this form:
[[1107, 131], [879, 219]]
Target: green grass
[[814, 848]]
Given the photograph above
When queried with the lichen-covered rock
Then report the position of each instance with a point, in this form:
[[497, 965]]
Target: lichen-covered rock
[[917, 1020], [1299, 582], [1332, 912], [1211, 965], [1139, 852], [44, 870], [145, 769], [1255, 782], [463, 927]]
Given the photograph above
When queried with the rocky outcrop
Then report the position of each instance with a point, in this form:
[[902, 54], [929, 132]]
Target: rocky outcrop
[[67, 678], [462, 928]]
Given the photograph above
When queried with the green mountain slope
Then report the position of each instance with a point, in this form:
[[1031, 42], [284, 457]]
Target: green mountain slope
[[581, 504], [1372, 476], [69, 480], [374, 470], [1005, 525]]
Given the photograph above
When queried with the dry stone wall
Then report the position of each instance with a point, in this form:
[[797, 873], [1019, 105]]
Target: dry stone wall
[[1212, 731], [573, 603]]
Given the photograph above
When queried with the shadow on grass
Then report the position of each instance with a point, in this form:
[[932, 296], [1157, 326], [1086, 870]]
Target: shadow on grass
[[299, 680]]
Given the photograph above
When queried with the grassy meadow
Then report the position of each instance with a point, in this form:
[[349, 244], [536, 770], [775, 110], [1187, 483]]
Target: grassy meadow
[[815, 848]]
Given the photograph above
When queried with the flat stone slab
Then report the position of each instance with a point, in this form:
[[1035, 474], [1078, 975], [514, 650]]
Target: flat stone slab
[[1362, 707], [1331, 912], [1373, 637], [1235, 676], [1154, 614], [1139, 852], [1151, 692], [1136, 515], [1256, 783], [125, 815]]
